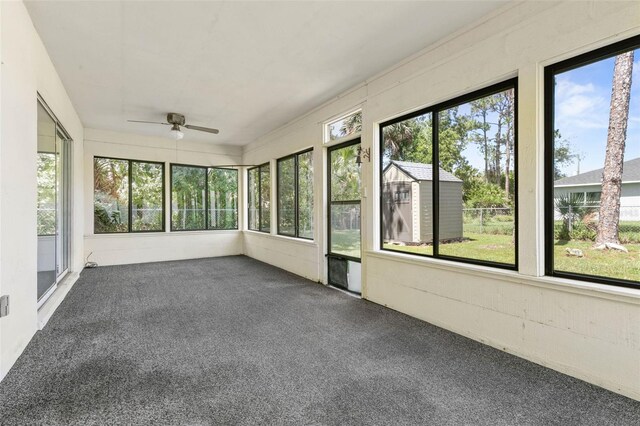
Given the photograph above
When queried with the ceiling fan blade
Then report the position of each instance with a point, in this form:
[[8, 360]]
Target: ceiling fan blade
[[148, 122], [202, 129]]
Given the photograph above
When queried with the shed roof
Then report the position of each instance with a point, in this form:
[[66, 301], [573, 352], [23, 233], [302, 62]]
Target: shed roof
[[422, 171], [630, 173]]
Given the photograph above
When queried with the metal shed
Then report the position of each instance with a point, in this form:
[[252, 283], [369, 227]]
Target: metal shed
[[408, 203]]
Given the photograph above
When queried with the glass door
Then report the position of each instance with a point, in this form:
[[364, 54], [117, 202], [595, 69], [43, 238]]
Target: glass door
[[62, 205], [53, 175], [344, 216]]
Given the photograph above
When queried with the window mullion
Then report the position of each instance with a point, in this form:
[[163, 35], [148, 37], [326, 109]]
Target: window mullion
[[259, 200], [130, 174], [206, 198], [296, 201], [435, 172]]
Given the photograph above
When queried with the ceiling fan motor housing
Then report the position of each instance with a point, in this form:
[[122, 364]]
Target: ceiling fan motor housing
[[175, 118]]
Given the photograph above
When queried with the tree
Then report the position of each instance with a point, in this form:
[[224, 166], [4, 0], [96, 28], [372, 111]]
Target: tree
[[345, 174], [46, 193], [486, 195], [504, 106], [223, 198], [411, 140], [562, 155], [480, 109], [111, 195], [305, 194], [454, 131], [573, 208], [614, 158], [146, 196], [188, 197], [408, 140], [351, 124]]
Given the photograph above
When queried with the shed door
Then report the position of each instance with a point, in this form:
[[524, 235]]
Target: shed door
[[397, 213]]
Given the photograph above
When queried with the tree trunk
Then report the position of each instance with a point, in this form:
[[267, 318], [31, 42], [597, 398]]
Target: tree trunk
[[486, 145], [509, 142], [498, 153], [616, 138]]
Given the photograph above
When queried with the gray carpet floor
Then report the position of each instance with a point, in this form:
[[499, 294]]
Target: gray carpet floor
[[235, 341]]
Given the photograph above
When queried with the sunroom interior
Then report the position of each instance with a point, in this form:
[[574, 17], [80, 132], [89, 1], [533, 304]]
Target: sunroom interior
[[399, 155]]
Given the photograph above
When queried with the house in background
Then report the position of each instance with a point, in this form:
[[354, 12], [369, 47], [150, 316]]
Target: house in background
[[408, 203], [590, 184]]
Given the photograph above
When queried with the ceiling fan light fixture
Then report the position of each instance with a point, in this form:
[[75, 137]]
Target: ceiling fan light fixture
[[176, 120], [176, 133]]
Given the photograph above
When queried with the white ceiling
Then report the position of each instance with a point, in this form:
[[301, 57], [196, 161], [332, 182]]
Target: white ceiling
[[244, 67]]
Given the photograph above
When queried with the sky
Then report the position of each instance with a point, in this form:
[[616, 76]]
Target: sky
[[582, 102]]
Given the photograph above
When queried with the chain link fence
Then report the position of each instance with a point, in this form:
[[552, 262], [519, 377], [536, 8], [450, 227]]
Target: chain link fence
[[147, 215], [489, 220], [218, 218], [345, 216], [223, 218]]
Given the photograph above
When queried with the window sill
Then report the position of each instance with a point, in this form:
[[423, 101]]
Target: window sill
[[602, 291], [125, 235], [301, 241]]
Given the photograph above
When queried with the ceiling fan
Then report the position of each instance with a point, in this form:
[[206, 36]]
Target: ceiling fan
[[176, 120]]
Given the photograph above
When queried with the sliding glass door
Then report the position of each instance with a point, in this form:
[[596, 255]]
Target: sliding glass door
[[53, 220]]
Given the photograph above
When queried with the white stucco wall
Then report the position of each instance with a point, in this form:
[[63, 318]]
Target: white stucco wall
[[587, 330], [26, 71], [116, 249]]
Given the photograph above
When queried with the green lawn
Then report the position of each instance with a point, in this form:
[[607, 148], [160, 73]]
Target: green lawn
[[608, 263], [498, 248], [346, 242], [487, 247]]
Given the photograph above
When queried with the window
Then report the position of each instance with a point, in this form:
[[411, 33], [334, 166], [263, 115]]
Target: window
[[465, 207], [46, 193], [223, 198], [203, 198], [344, 127], [403, 194], [295, 195], [128, 196], [259, 184], [592, 166]]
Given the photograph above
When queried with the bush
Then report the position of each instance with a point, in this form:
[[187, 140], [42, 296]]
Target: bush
[[561, 232], [629, 237], [503, 218], [584, 231], [486, 195]]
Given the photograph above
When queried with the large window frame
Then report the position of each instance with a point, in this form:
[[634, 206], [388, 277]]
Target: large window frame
[[435, 113], [130, 195], [206, 198], [259, 200], [296, 202], [550, 72]]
